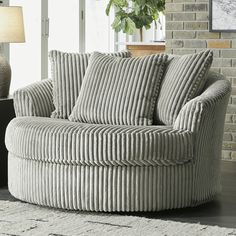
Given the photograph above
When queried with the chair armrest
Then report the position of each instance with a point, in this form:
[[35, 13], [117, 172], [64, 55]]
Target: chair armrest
[[211, 104], [205, 117], [34, 100]]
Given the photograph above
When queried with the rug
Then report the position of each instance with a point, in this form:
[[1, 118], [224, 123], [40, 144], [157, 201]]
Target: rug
[[19, 218]]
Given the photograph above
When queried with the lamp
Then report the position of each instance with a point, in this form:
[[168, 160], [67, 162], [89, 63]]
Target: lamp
[[11, 31]]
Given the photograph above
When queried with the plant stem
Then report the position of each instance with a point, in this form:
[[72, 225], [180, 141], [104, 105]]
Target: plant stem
[[141, 34]]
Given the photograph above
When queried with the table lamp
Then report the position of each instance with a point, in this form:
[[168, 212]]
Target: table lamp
[[11, 31]]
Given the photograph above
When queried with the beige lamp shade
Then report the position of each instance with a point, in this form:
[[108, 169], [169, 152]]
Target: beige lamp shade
[[11, 25]]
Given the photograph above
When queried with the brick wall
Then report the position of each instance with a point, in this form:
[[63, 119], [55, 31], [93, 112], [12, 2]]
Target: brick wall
[[187, 32]]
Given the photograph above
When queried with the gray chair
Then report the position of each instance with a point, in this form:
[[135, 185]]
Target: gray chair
[[58, 163]]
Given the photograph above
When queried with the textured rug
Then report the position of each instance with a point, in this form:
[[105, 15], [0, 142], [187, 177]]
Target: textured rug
[[18, 218]]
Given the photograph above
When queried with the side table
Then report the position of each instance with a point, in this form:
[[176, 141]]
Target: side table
[[7, 113]]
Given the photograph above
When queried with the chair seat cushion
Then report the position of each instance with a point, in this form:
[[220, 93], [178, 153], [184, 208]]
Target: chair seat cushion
[[71, 143]]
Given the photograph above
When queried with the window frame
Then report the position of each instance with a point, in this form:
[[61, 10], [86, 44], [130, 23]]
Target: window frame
[[45, 34]]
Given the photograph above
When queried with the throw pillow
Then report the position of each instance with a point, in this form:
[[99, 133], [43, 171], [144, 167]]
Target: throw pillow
[[119, 90], [68, 70], [184, 79]]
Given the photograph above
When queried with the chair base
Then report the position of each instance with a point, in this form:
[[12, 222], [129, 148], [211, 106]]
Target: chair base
[[103, 188]]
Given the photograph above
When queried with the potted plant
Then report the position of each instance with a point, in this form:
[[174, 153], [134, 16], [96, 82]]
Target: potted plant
[[131, 15]]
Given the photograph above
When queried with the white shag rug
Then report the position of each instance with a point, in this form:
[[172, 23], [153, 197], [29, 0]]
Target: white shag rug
[[18, 218]]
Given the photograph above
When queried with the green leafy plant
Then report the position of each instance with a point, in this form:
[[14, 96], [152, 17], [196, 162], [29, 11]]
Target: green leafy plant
[[131, 15]]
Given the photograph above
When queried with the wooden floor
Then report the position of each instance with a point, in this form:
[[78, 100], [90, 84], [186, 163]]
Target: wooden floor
[[221, 212]]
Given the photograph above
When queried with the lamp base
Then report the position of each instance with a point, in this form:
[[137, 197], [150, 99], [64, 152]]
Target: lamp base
[[5, 77]]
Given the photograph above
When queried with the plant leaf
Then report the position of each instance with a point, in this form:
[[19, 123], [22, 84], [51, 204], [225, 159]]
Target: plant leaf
[[108, 8], [116, 22], [136, 15], [130, 27], [121, 3]]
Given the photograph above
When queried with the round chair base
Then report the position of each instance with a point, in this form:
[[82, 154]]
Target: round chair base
[[102, 188]]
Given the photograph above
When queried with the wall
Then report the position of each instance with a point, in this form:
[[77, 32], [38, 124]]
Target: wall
[[187, 32], [1, 45], [1, 48]]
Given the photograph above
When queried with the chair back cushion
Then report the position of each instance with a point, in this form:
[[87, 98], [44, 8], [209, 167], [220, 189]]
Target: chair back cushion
[[120, 91], [184, 79], [68, 70]]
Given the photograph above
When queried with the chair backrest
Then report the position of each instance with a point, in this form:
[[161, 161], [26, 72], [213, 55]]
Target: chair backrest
[[216, 82]]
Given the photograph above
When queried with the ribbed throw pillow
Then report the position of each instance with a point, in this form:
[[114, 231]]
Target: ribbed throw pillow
[[184, 79], [119, 90], [68, 70]]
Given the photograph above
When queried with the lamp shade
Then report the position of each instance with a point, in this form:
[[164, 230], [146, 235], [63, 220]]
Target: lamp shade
[[11, 25]]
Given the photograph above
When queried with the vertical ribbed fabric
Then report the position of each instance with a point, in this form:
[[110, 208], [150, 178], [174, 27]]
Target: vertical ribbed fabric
[[53, 177], [34, 99], [184, 79], [101, 188], [73, 143], [119, 90], [205, 116], [68, 70]]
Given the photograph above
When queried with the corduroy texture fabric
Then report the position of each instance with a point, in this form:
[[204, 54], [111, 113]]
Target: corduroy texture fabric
[[102, 188], [131, 187], [65, 142], [205, 116], [119, 90], [184, 79], [34, 100], [68, 70]]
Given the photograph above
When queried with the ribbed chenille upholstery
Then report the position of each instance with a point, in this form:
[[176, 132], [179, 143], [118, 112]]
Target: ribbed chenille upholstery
[[184, 79], [34, 100], [66, 176], [102, 188], [119, 90], [61, 141], [68, 70]]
